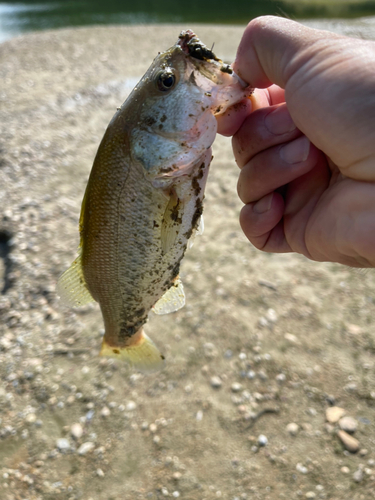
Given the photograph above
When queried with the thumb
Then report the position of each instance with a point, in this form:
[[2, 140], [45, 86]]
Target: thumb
[[272, 49]]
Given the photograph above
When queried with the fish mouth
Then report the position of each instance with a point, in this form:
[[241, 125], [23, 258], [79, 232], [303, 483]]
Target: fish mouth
[[193, 47]]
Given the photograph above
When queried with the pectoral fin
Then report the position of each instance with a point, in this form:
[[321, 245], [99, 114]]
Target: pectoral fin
[[72, 287], [172, 219], [172, 300], [141, 353]]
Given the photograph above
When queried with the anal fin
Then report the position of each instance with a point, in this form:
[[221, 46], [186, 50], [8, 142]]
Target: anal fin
[[172, 300]]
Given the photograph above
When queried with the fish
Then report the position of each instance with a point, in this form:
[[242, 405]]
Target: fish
[[144, 197]]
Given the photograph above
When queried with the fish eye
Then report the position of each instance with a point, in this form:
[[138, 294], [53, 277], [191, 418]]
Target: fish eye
[[165, 81]]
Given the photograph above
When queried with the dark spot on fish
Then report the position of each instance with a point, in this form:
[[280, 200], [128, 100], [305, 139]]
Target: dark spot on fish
[[175, 213], [176, 270], [218, 109], [155, 224], [160, 126], [201, 171], [116, 351], [163, 118], [197, 213], [166, 169], [150, 120], [190, 115], [226, 69], [196, 186], [192, 78], [162, 357]]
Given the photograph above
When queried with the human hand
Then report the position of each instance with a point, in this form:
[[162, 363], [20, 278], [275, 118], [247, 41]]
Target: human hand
[[306, 146]]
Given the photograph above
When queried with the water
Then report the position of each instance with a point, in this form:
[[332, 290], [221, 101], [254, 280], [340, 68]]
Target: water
[[31, 15]]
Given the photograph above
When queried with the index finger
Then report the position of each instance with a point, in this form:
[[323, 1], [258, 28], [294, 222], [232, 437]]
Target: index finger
[[229, 122]]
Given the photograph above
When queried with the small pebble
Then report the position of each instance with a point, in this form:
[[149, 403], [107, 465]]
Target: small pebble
[[280, 378], [216, 382], [262, 440], [131, 406], [63, 444], [345, 470], [350, 443], [358, 476], [85, 448], [348, 424], [292, 428], [301, 468], [310, 494], [105, 412], [291, 338], [99, 473], [76, 431], [334, 413], [30, 418], [271, 315], [236, 387], [354, 329]]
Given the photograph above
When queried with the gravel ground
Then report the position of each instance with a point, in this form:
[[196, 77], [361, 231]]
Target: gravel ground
[[268, 390]]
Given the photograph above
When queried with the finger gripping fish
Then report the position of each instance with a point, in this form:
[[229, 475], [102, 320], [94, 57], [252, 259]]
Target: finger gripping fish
[[143, 200]]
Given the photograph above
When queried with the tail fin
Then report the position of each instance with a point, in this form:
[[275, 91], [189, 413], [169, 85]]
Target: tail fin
[[141, 353]]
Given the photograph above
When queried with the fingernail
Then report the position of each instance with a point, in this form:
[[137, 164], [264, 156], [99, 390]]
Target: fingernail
[[264, 204], [279, 121], [296, 151]]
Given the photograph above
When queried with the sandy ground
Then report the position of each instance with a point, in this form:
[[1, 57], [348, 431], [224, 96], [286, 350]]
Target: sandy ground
[[264, 340]]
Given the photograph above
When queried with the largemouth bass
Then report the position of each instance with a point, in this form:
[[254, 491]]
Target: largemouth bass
[[143, 199]]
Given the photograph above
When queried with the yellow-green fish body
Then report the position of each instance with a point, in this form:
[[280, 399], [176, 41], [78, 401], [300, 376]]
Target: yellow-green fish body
[[144, 196]]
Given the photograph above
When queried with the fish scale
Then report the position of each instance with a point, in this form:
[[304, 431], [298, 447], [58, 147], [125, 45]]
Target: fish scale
[[144, 197]]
